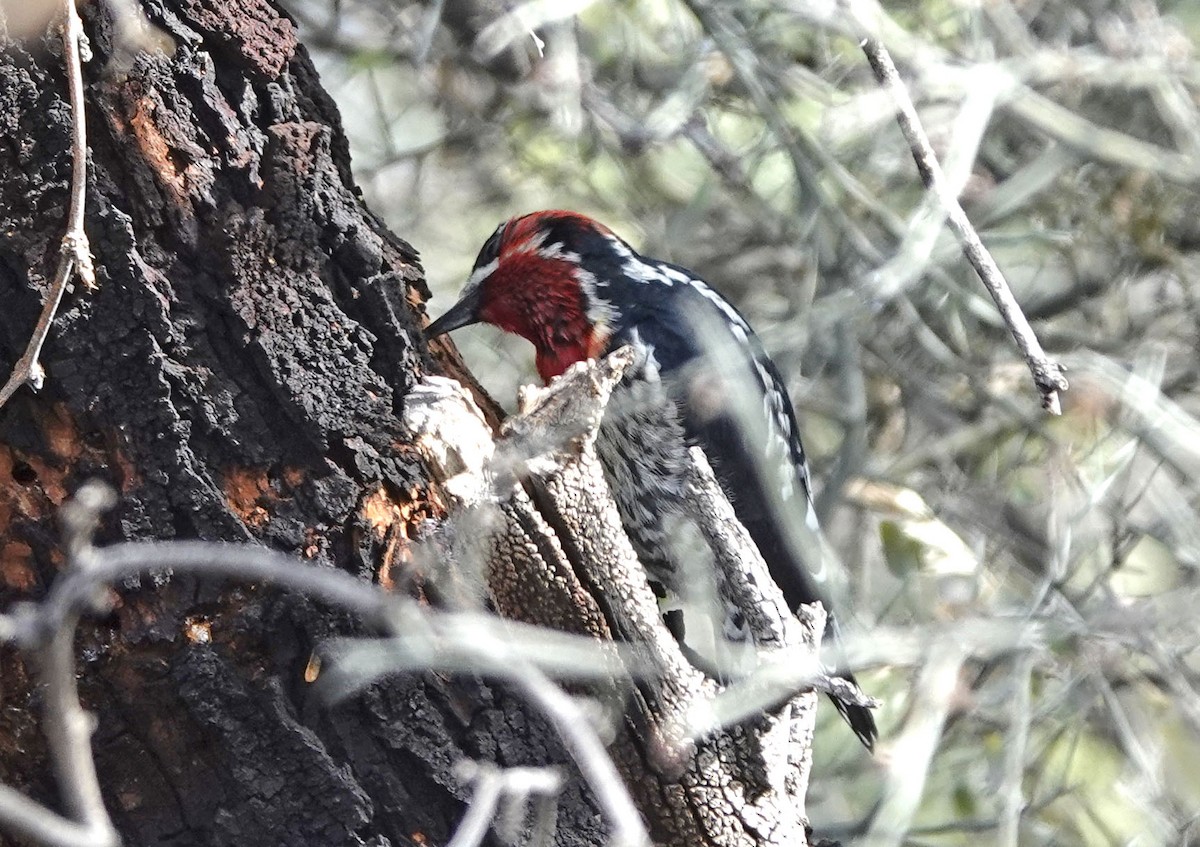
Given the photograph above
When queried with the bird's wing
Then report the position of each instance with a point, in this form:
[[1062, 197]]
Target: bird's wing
[[734, 405]]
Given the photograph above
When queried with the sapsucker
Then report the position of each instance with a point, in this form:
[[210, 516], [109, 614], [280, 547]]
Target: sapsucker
[[577, 291]]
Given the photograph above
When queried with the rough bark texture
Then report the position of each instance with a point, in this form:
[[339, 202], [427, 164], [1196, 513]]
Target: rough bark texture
[[248, 370], [237, 375], [567, 563]]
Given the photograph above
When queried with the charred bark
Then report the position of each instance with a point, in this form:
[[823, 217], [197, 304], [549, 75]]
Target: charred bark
[[236, 375]]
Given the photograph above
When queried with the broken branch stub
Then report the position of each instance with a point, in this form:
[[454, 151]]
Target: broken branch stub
[[553, 552]]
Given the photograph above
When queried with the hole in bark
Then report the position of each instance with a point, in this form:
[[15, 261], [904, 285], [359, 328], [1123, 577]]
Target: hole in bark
[[179, 159], [24, 473]]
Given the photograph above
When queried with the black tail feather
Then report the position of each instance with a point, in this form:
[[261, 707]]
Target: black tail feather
[[860, 718]]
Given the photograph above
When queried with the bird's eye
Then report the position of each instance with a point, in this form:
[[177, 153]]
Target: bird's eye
[[491, 247]]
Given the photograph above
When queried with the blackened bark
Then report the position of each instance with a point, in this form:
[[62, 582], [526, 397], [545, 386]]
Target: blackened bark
[[238, 375]]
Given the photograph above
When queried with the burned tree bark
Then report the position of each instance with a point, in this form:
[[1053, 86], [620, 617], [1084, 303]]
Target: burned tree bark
[[235, 376], [245, 370]]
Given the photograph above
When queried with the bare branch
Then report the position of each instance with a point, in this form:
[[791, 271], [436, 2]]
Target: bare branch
[[68, 728], [75, 254], [76, 588], [481, 809], [496, 787], [29, 819], [783, 672], [586, 748], [913, 750], [524, 20], [1047, 374], [1015, 753], [1108, 145]]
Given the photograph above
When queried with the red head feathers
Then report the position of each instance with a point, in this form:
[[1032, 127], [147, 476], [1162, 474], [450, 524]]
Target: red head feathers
[[532, 278]]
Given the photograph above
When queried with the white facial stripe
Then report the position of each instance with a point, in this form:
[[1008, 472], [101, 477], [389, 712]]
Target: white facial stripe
[[480, 274], [599, 311], [556, 251]]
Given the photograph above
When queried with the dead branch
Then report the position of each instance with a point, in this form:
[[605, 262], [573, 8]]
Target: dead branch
[[1048, 375], [74, 254], [575, 569]]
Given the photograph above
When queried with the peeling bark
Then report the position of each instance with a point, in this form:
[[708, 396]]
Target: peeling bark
[[562, 560]]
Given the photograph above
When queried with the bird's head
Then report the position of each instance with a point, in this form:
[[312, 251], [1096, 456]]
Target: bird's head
[[538, 276]]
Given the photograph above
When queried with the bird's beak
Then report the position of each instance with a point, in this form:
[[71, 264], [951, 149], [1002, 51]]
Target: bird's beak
[[463, 313]]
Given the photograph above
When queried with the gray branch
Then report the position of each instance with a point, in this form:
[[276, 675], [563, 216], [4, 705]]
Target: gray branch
[[1048, 375], [74, 255]]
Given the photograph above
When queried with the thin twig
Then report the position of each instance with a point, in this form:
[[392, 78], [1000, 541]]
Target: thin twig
[[493, 786], [76, 49], [913, 751], [428, 29], [784, 672], [69, 727], [812, 163], [731, 39], [28, 819], [1014, 754], [68, 730], [75, 589], [74, 254], [1047, 374], [853, 395], [1108, 145], [586, 748], [481, 809], [523, 20]]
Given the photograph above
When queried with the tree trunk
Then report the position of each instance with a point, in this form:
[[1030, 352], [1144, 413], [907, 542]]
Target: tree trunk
[[237, 376], [242, 372]]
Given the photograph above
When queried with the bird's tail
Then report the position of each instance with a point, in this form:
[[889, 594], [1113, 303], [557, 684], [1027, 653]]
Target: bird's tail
[[860, 718]]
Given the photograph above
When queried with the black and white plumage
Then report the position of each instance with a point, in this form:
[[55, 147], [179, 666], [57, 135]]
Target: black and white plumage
[[577, 291]]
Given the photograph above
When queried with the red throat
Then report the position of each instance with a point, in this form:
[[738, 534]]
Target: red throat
[[552, 362], [550, 314]]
